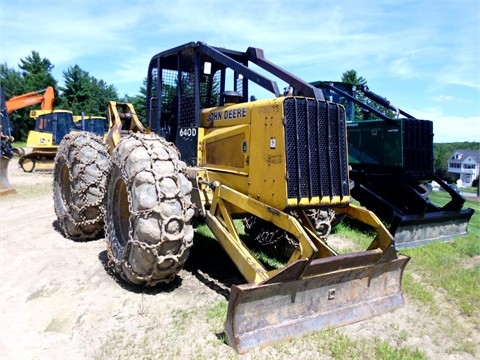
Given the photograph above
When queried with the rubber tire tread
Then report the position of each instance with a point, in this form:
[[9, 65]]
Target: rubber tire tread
[[82, 166], [148, 221]]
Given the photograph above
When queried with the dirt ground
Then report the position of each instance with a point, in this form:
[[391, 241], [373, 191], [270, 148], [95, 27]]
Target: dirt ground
[[59, 300]]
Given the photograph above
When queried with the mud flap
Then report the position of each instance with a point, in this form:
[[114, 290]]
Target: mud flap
[[413, 231], [330, 292], [5, 187]]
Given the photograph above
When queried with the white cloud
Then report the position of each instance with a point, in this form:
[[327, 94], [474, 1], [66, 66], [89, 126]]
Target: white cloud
[[443, 98], [401, 68], [411, 43], [452, 129]]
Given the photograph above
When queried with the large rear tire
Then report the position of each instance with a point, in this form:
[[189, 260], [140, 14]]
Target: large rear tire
[[149, 211], [82, 165]]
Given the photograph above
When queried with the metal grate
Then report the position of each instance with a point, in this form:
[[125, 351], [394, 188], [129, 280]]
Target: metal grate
[[418, 147], [169, 89], [316, 152], [187, 83]]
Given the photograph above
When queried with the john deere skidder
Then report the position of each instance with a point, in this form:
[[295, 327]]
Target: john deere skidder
[[392, 166], [214, 157]]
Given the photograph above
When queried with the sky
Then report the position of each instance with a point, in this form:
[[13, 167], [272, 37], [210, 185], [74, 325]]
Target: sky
[[424, 56]]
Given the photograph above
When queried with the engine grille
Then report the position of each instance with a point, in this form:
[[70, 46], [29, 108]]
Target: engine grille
[[417, 147], [316, 149]]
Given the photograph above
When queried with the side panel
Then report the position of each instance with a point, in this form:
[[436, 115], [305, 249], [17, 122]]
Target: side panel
[[418, 157], [285, 152], [38, 139], [407, 147], [267, 160], [226, 149], [375, 143]]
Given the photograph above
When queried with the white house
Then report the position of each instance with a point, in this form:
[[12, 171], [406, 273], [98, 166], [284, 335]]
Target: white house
[[465, 163]]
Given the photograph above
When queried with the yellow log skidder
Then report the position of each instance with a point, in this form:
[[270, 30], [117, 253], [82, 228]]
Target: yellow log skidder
[[214, 154]]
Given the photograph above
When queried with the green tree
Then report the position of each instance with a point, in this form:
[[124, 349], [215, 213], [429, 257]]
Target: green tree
[[351, 77], [77, 90], [36, 73], [139, 102], [11, 81], [85, 93], [103, 93]]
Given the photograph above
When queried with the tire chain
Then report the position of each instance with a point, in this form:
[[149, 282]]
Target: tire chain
[[280, 242], [80, 184], [178, 259], [269, 237]]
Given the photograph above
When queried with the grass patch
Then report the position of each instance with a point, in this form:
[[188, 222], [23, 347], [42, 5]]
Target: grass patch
[[217, 313], [357, 232], [19, 144], [445, 266], [448, 268], [335, 344], [181, 319], [386, 351], [416, 290], [441, 265]]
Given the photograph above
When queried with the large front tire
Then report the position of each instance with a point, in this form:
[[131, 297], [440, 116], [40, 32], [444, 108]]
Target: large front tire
[[149, 211], [82, 165]]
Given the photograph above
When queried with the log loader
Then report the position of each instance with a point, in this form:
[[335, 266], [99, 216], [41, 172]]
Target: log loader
[[392, 166], [43, 97], [212, 155], [50, 128], [91, 123]]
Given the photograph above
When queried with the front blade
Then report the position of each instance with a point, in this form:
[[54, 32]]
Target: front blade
[[261, 314], [413, 231]]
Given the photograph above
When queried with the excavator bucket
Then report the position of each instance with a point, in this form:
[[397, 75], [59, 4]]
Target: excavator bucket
[[5, 187], [301, 299]]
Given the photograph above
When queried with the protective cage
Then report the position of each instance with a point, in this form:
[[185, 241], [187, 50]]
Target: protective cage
[[317, 287]]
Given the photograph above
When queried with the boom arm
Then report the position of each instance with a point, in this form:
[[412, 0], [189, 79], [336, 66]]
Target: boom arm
[[44, 96]]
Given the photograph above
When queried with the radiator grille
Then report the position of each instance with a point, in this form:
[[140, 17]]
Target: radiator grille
[[316, 149], [418, 147]]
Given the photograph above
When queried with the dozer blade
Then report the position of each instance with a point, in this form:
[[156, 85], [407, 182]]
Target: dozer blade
[[413, 231], [329, 292], [5, 187]]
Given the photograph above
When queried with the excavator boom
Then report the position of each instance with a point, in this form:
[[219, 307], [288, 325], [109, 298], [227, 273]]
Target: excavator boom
[[44, 97]]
